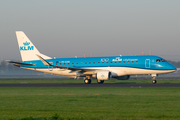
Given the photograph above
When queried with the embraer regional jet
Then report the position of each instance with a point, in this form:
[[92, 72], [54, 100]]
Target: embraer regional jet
[[100, 68]]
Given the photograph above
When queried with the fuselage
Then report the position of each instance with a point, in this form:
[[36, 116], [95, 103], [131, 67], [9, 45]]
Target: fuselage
[[117, 65], [100, 68]]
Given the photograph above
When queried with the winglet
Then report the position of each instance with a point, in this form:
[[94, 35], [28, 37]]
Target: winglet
[[44, 61]]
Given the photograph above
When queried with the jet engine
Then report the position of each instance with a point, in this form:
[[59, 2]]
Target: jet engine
[[103, 75]]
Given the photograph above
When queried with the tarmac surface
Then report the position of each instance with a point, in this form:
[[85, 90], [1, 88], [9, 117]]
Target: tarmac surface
[[89, 85]]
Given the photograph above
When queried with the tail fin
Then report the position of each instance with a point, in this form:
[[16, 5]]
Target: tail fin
[[27, 49]]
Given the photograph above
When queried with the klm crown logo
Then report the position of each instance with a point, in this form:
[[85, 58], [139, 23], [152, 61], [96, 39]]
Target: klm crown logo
[[102, 75], [26, 47], [26, 43]]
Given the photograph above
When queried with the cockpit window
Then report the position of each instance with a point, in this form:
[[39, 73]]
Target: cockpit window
[[163, 60], [160, 60]]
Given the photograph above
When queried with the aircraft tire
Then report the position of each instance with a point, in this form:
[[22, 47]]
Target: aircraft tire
[[87, 81], [100, 81], [154, 81]]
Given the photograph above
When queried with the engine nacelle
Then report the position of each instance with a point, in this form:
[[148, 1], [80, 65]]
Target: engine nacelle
[[103, 75], [126, 77]]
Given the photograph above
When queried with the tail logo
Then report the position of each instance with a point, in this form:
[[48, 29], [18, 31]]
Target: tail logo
[[26, 47]]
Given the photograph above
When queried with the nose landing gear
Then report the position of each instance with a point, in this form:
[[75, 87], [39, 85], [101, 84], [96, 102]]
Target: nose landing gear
[[154, 78], [154, 81]]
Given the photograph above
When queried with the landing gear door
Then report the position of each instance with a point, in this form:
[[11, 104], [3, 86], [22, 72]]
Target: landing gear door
[[147, 63], [50, 68]]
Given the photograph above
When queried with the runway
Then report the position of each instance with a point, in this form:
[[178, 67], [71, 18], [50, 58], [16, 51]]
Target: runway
[[88, 85]]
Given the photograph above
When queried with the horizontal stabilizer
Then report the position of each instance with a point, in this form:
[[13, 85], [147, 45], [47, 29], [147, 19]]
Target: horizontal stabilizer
[[20, 63]]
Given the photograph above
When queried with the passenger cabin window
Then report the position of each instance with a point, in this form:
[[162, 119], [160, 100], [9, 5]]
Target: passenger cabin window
[[60, 63], [93, 62], [115, 62], [85, 62], [68, 63], [132, 61], [136, 61], [81, 63], [102, 62], [119, 61], [64, 63], [98, 62], [76, 63], [106, 62], [89, 62], [123, 61], [72, 63], [111, 61]]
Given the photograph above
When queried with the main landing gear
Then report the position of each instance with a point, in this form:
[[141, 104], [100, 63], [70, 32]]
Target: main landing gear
[[87, 81], [100, 81]]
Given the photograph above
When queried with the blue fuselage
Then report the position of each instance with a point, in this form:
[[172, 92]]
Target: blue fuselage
[[148, 62]]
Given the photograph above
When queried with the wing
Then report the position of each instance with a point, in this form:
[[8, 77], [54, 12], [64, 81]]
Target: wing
[[74, 69]]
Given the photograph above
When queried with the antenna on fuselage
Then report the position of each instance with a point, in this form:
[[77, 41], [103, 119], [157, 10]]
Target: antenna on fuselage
[[142, 52], [149, 52]]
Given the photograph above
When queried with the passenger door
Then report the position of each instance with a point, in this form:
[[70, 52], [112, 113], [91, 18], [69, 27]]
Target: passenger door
[[147, 63]]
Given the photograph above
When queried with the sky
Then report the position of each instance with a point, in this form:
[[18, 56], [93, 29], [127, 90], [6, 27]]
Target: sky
[[68, 28]]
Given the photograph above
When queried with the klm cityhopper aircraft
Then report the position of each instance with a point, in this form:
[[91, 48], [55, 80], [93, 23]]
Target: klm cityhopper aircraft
[[101, 68]]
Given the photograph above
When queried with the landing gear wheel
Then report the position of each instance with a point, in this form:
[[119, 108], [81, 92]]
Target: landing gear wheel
[[154, 81], [100, 81], [87, 81]]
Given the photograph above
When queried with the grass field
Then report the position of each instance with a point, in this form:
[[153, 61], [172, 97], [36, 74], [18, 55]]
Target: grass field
[[82, 81], [89, 103]]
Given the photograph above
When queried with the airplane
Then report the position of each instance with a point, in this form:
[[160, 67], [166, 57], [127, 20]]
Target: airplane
[[101, 68]]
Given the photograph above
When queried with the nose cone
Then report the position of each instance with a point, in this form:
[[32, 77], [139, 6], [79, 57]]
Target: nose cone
[[171, 67]]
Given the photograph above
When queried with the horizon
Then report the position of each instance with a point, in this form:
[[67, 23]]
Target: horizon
[[97, 28]]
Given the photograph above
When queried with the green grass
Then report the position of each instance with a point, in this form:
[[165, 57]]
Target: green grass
[[82, 81], [89, 103]]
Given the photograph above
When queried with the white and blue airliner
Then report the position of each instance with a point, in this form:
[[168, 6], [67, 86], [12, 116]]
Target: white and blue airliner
[[100, 68]]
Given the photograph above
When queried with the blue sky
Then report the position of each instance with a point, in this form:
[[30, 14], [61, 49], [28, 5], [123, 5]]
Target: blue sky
[[68, 28]]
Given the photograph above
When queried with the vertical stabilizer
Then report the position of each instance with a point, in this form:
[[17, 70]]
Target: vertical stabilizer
[[27, 49]]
